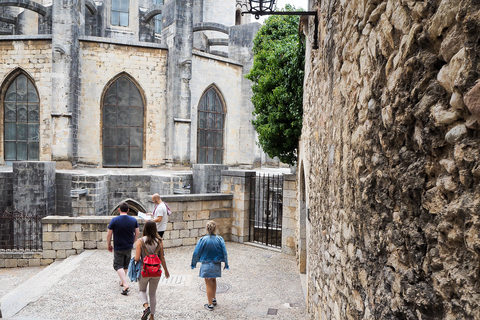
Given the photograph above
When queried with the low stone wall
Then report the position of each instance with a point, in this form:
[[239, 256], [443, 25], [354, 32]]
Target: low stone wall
[[66, 236]]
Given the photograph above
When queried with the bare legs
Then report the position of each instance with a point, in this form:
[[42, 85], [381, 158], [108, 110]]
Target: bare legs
[[211, 284], [122, 273]]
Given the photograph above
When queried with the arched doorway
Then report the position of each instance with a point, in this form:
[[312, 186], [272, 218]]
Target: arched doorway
[[123, 125], [134, 207]]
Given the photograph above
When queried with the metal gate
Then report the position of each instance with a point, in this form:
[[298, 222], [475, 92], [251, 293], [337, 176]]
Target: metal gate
[[266, 210], [21, 231]]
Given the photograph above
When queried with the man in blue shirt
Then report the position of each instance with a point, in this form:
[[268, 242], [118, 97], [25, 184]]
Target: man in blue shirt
[[125, 232]]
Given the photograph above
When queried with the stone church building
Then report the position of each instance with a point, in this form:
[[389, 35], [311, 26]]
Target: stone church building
[[126, 83]]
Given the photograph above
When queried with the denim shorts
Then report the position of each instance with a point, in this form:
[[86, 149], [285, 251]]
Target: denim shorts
[[211, 270], [121, 259]]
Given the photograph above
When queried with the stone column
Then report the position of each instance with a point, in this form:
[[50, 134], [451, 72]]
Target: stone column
[[34, 187], [178, 36], [239, 183], [289, 222], [67, 24]]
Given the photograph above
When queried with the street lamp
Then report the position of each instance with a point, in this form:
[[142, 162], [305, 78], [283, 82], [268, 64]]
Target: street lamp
[[267, 7]]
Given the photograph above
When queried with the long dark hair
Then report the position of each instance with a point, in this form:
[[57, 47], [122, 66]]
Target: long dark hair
[[150, 231]]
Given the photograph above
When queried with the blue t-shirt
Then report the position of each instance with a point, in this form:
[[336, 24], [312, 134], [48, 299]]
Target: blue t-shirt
[[123, 227]]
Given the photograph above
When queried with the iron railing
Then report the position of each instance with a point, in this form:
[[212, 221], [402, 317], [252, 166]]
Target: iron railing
[[21, 231], [266, 210]]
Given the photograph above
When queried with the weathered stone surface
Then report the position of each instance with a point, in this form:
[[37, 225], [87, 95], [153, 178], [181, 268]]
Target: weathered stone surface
[[456, 101], [449, 73], [442, 116], [472, 100], [452, 43], [393, 209], [456, 133]]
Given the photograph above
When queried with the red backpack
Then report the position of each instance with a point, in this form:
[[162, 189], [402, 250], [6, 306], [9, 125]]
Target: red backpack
[[151, 263]]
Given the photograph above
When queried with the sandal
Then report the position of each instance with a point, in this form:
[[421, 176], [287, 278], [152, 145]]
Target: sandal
[[125, 291]]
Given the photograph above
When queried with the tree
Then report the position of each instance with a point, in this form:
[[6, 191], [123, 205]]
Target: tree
[[277, 76]]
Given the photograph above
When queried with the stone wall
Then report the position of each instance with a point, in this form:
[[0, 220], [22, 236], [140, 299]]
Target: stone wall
[[390, 151], [101, 64], [33, 56], [65, 236], [238, 183], [239, 139], [289, 218], [207, 178]]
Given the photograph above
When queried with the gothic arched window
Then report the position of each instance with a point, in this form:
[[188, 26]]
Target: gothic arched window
[[21, 120], [122, 125], [210, 127]]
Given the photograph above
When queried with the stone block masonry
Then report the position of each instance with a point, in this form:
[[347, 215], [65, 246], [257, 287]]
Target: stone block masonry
[[34, 187], [64, 236], [289, 218], [390, 154]]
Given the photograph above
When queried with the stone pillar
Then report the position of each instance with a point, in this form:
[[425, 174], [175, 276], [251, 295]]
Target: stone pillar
[[34, 187], [239, 183], [177, 33], [289, 222], [67, 25], [207, 178]]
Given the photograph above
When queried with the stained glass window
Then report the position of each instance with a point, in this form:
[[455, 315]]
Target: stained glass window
[[21, 121], [123, 125], [210, 128]]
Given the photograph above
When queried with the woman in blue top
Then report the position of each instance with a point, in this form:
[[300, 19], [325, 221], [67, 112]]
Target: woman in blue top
[[210, 251]]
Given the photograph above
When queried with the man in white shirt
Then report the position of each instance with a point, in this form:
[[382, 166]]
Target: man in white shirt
[[159, 214]]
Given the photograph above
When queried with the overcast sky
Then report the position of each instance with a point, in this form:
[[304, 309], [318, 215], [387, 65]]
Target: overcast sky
[[281, 4]]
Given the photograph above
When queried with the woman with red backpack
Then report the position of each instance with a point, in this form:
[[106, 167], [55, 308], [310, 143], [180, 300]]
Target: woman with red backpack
[[149, 250]]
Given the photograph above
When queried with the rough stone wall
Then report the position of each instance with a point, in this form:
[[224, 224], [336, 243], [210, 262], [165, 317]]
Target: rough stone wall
[[34, 57], [100, 64], [391, 151]]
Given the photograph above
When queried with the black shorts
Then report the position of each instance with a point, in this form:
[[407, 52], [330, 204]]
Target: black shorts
[[121, 259]]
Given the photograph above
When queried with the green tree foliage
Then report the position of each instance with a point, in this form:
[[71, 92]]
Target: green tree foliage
[[277, 76]]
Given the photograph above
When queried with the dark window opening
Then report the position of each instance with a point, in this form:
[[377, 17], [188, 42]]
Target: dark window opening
[[21, 121], [210, 128], [123, 125]]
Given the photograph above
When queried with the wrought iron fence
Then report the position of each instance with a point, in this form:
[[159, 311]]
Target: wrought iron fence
[[21, 231], [266, 210]]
